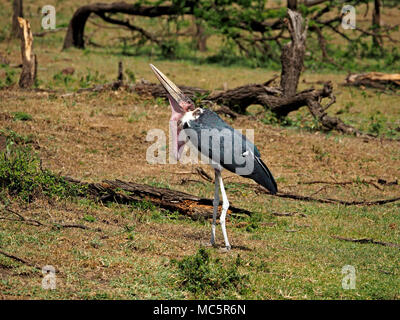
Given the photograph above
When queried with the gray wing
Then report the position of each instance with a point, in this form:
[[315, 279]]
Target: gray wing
[[226, 146]]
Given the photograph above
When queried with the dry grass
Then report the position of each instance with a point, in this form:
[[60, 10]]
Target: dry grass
[[90, 136]]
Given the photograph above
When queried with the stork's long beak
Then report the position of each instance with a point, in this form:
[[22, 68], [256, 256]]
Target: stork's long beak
[[171, 88], [180, 104]]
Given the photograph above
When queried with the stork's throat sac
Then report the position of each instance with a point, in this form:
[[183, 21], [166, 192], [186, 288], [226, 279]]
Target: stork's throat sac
[[179, 123]]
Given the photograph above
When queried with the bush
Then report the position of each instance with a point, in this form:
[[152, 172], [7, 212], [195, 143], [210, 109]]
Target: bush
[[21, 174], [201, 274], [22, 116]]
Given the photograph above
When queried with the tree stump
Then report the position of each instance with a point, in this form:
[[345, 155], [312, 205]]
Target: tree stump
[[29, 62]]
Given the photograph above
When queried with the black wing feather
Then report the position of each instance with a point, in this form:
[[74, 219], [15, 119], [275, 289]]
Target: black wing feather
[[263, 176]]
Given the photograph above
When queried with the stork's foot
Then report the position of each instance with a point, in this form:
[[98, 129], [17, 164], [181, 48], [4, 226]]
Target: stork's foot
[[208, 244], [225, 249]]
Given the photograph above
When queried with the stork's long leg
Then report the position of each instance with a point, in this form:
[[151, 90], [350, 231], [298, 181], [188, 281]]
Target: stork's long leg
[[215, 204], [225, 206]]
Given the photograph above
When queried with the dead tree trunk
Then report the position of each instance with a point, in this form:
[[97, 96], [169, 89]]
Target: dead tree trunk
[[76, 27], [327, 122], [376, 24], [199, 35], [17, 12], [293, 54], [29, 63], [292, 4]]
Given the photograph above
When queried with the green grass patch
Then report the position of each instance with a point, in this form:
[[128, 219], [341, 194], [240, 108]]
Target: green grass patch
[[208, 277], [22, 116], [22, 175]]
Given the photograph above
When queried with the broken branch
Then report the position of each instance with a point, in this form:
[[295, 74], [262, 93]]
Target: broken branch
[[368, 240]]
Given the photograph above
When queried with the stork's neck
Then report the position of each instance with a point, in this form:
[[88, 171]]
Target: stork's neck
[[191, 116]]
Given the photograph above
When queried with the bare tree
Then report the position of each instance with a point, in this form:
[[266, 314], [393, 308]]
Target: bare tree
[[292, 56], [376, 23], [17, 12], [292, 4], [76, 27], [199, 35]]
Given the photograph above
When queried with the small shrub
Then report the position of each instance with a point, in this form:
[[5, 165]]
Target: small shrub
[[9, 76], [320, 154], [131, 75], [61, 79], [201, 274], [22, 116], [135, 116], [21, 174], [90, 79], [270, 118], [377, 123], [89, 218]]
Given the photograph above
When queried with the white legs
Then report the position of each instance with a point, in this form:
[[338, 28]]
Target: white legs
[[225, 205], [215, 204]]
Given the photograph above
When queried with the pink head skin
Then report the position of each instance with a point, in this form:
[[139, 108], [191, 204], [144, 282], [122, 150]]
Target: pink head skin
[[180, 104]]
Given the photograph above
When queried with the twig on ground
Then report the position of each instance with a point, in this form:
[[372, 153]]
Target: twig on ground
[[288, 214], [204, 174], [326, 200], [368, 240], [11, 256], [343, 183], [186, 180], [39, 224]]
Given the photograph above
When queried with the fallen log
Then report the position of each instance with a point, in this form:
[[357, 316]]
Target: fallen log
[[185, 203], [171, 200], [238, 99], [376, 80]]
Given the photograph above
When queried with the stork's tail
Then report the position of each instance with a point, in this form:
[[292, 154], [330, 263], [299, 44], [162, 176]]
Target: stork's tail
[[263, 176]]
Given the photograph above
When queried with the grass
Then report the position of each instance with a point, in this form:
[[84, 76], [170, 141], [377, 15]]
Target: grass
[[22, 116], [139, 251], [207, 277], [21, 174]]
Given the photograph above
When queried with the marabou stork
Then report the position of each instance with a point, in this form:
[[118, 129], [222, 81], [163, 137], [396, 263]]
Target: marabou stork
[[214, 138]]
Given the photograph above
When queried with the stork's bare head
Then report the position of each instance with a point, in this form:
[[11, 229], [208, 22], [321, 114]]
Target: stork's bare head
[[180, 104]]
